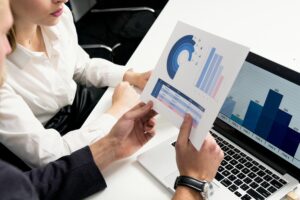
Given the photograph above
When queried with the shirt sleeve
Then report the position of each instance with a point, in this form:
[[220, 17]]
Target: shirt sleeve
[[23, 134], [92, 71], [72, 177]]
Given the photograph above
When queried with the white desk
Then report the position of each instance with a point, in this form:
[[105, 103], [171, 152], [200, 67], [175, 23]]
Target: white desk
[[269, 27]]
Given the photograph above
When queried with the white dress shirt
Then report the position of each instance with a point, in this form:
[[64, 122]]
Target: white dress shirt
[[38, 85]]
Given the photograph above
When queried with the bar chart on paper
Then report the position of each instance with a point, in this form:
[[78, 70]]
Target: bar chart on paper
[[273, 120], [211, 77], [189, 78]]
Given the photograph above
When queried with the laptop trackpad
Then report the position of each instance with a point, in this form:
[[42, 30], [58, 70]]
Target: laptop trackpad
[[170, 180]]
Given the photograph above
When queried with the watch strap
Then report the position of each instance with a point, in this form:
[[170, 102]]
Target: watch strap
[[190, 182]]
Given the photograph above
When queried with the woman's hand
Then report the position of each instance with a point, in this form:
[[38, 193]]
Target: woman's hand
[[139, 80], [124, 98]]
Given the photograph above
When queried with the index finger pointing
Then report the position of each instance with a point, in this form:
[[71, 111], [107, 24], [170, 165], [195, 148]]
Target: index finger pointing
[[185, 129]]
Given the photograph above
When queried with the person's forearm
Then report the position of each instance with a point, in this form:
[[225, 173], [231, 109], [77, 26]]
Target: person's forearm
[[117, 110], [186, 193], [71, 177], [103, 152], [130, 77]]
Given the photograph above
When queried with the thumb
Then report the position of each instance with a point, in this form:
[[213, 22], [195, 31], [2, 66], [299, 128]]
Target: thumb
[[185, 129]]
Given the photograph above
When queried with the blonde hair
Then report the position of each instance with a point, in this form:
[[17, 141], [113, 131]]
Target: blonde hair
[[2, 68], [12, 38], [2, 75], [12, 35]]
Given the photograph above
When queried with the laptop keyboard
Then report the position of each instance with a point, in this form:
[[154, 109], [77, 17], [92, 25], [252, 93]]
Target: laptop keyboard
[[245, 177]]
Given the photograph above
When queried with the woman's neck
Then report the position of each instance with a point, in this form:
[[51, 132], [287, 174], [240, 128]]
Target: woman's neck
[[29, 36]]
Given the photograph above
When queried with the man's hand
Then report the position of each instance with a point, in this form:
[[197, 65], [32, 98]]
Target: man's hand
[[201, 165], [134, 129], [139, 80]]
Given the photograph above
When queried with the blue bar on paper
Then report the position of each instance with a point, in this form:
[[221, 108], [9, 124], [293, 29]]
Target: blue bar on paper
[[252, 116], [215, 80], [214, 68], [236, 119], [228, 107], [215, 76], [279, 128], [291, 142], [157, 88], [206, 66], [206, 80], [268, 114]]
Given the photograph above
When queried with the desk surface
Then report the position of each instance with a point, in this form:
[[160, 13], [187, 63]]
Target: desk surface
[[270, 28]]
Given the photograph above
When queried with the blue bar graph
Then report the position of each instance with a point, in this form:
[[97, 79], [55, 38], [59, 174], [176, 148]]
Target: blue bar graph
[[228, 106], [207, 80], [211, 73], [206, 67], [268, 114], [279, 128], [291, 142], [214, 79], [252, 116], [236, 119], [267, 121]]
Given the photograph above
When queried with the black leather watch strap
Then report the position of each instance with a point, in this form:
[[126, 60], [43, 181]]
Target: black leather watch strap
[[190, 182]]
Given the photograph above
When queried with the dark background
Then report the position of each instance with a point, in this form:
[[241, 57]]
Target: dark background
[[127, 28]]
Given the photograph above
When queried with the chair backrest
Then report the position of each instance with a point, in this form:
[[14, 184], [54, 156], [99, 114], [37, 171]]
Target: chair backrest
[[80, 7]]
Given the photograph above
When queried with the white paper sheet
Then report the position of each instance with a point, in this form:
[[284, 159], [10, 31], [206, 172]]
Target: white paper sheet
[[194, 75]]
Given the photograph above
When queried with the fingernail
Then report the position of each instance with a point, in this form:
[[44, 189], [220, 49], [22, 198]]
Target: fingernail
[[187, 115]]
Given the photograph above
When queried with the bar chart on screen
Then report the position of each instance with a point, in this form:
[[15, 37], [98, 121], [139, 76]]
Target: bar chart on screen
[[269, 114]]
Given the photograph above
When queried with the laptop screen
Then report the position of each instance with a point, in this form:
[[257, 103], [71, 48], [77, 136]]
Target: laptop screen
[[263, 104]]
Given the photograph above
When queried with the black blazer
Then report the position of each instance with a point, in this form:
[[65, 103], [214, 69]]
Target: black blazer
[[71, 177]]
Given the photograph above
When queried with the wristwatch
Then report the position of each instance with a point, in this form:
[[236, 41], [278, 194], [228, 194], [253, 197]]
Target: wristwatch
[[201, 186]]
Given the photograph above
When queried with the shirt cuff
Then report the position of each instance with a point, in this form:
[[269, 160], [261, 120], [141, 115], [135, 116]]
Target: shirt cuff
[[90, 133], [116, 74], [81, 174], [95, 126], [84, 162]]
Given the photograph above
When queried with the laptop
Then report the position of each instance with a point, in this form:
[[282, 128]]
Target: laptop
[[258, 128]]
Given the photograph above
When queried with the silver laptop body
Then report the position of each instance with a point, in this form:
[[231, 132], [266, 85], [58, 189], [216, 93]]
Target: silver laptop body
[[258, 130]]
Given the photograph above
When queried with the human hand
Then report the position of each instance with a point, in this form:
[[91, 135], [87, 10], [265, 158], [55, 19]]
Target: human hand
[[124, 98], [201, 165], [134, 129], [137, 79]]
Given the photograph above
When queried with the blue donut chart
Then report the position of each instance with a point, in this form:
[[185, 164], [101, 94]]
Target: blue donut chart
[[185, 43]]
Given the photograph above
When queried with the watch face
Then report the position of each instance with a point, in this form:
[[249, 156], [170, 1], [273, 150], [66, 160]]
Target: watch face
[[208, 189]]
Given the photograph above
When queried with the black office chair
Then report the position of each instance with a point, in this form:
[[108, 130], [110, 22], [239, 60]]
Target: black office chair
[[93, 47], [112, 26]]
